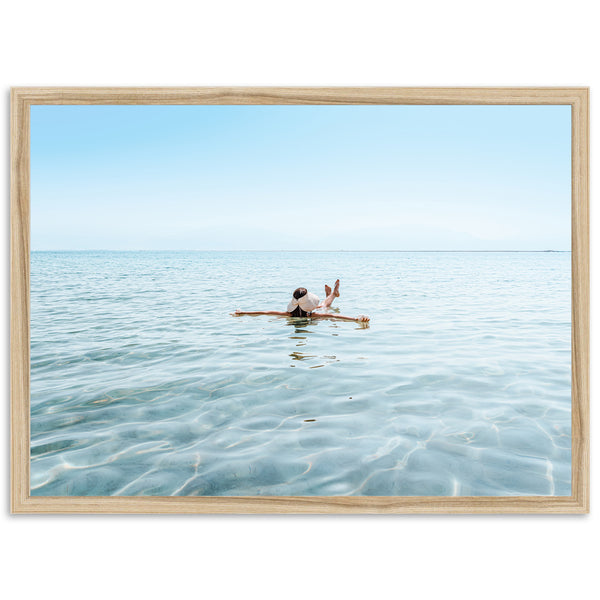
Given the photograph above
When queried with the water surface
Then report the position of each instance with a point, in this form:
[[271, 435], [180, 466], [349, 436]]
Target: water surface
[[142, 384]]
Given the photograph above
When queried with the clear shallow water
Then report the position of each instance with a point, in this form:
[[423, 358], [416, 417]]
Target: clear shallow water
[[142, 384]]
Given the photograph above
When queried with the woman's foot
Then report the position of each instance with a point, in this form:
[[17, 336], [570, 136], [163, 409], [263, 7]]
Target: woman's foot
[[336, 288]]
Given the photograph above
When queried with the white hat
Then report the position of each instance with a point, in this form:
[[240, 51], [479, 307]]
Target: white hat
[[307, 303]]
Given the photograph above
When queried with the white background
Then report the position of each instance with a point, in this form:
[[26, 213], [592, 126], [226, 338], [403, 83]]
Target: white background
[[325, 43]]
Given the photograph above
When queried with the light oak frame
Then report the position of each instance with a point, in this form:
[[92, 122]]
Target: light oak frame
[[21, 101]]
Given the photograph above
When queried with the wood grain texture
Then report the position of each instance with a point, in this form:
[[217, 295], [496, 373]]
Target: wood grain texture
[[19, 299], [300, 95], [21, 101], [580, 302], [301, 504]]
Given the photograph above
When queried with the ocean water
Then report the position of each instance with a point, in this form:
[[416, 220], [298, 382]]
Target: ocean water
[[143, 384]]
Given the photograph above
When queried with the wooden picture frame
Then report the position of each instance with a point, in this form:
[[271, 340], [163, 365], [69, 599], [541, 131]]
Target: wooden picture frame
[[21, 101]]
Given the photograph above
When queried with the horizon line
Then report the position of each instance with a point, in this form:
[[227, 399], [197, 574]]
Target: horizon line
[[278, 250]]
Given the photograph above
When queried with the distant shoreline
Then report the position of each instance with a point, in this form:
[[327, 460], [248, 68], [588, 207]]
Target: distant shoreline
[[312, 251]]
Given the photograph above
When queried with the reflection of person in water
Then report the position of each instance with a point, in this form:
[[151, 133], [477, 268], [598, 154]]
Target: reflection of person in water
[[305, 304]]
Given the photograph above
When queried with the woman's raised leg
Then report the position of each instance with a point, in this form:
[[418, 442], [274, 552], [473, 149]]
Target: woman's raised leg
[[331, 294]]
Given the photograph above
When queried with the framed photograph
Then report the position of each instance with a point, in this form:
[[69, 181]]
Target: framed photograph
[[299, 300]]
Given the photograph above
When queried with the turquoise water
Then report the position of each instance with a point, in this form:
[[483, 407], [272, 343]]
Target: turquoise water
[[142, 384]]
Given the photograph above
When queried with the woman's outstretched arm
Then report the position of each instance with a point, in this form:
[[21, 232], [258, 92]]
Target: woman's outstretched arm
[[239, 313], [314, 315], [359, 319]]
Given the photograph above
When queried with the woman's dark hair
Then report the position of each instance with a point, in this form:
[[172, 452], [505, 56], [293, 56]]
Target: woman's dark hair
[[298, 312], [298, 293]]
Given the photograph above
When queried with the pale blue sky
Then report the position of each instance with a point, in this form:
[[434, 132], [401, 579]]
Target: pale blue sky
[[301, 177]]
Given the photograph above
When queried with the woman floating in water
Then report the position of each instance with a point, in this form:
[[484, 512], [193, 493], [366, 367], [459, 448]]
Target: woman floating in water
[[305, 304]]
